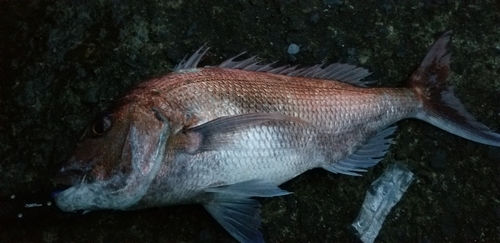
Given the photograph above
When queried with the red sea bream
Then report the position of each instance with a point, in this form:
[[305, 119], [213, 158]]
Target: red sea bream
[[220, 136]]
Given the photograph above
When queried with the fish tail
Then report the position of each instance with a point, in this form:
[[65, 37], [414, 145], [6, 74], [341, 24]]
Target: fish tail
[[439, 105]]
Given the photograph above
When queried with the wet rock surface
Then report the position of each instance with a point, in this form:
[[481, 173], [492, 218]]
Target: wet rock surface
[[63, 62]]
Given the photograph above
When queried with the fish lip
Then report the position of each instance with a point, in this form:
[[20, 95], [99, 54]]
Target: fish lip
[[60, 198], [69, 177], [72, 200], [65, 181], [73, 174]]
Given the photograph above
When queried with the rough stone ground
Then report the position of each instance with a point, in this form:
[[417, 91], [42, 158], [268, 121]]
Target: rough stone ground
[[62, 62]]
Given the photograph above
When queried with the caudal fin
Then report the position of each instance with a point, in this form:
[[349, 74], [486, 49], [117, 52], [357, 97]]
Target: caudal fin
[[440, 106]]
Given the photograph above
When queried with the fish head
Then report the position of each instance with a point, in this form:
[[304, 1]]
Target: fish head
[[115, 161]]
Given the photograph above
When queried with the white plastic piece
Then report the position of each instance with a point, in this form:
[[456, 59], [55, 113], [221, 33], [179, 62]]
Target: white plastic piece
[[383, 194]]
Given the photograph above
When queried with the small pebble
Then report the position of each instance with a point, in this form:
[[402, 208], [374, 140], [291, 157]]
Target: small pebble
[[293, 49]]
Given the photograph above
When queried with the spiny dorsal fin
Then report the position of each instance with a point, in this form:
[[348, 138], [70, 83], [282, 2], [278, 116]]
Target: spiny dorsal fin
[[337, 71], [193, 61]]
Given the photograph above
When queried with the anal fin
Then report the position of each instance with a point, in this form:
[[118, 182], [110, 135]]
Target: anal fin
[[366, 156]]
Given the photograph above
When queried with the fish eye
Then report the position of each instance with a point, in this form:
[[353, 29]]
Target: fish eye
[[101, 126]]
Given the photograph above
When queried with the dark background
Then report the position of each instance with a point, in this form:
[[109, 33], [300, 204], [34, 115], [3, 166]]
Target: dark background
[[62, 62]]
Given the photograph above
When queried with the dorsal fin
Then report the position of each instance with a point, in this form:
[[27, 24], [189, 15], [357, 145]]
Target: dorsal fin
[[193, 61], [337, 71]]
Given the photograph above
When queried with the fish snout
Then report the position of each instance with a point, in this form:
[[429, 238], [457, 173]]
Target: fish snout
[[69, 177], [74, 173]]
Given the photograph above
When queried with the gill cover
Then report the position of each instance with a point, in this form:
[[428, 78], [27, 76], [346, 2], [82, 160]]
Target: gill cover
[[143, 151]]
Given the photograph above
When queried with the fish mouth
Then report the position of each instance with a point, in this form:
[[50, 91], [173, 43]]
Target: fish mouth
[[74, 173], [67, 179], [66, 183]]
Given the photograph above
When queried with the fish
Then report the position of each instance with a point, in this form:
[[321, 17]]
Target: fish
[[221, 136]]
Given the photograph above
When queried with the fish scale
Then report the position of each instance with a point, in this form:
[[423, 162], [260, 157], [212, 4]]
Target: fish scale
[[220, 136], [321, 105], [258, 151]]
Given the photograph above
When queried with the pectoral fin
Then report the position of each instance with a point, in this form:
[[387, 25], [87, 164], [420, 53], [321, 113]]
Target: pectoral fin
[[204, 137], [239, 214]]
